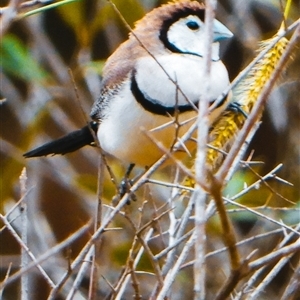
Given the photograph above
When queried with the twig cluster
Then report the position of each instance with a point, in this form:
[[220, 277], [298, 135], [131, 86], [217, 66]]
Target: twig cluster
[[169, 245]]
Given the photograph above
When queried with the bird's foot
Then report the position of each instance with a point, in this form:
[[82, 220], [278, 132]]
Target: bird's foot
[[124, 187], [236, 107]]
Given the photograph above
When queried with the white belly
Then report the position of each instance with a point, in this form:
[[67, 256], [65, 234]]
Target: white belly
[[123, 134]]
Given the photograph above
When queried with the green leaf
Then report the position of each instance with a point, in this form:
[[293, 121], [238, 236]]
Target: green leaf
[[17, 61]]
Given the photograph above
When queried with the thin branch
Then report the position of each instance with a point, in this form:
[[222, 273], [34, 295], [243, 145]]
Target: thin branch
[[271, 174], [169, 279], [24, 234], [259, 290], [241, 152], [93, 288], [136, 261], [199, 195], [169, 263], [241, 243], [174, 245], [269, 187], [5, 279], [37, 261], [81, 273], [280, 224], [228, 234], [250, 283], [270, 258], [292, 291]]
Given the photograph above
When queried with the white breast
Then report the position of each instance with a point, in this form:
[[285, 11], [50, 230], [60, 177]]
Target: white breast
[[122, 132], [186, 70]]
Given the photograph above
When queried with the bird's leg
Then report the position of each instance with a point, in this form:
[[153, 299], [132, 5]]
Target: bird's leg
[[126, 184]]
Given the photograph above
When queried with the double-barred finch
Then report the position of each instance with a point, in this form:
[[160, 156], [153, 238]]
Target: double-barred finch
[[153, 78]]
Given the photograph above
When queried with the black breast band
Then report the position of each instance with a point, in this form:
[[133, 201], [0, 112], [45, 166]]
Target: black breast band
[[154, 106]]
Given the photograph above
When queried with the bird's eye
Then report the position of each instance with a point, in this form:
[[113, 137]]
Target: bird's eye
[[192, 25]]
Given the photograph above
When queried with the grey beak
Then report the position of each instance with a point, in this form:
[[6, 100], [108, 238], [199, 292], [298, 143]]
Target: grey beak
[[221, 32]]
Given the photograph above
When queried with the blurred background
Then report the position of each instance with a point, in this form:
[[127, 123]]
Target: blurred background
[[51, 66]]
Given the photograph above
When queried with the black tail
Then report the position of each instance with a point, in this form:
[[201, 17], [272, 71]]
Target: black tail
[[68, 143]]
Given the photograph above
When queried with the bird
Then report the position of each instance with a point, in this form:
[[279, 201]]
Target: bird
[[151, 86]]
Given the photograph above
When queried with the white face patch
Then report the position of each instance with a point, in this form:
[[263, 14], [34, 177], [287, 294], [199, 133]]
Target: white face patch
[[186, 36]]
